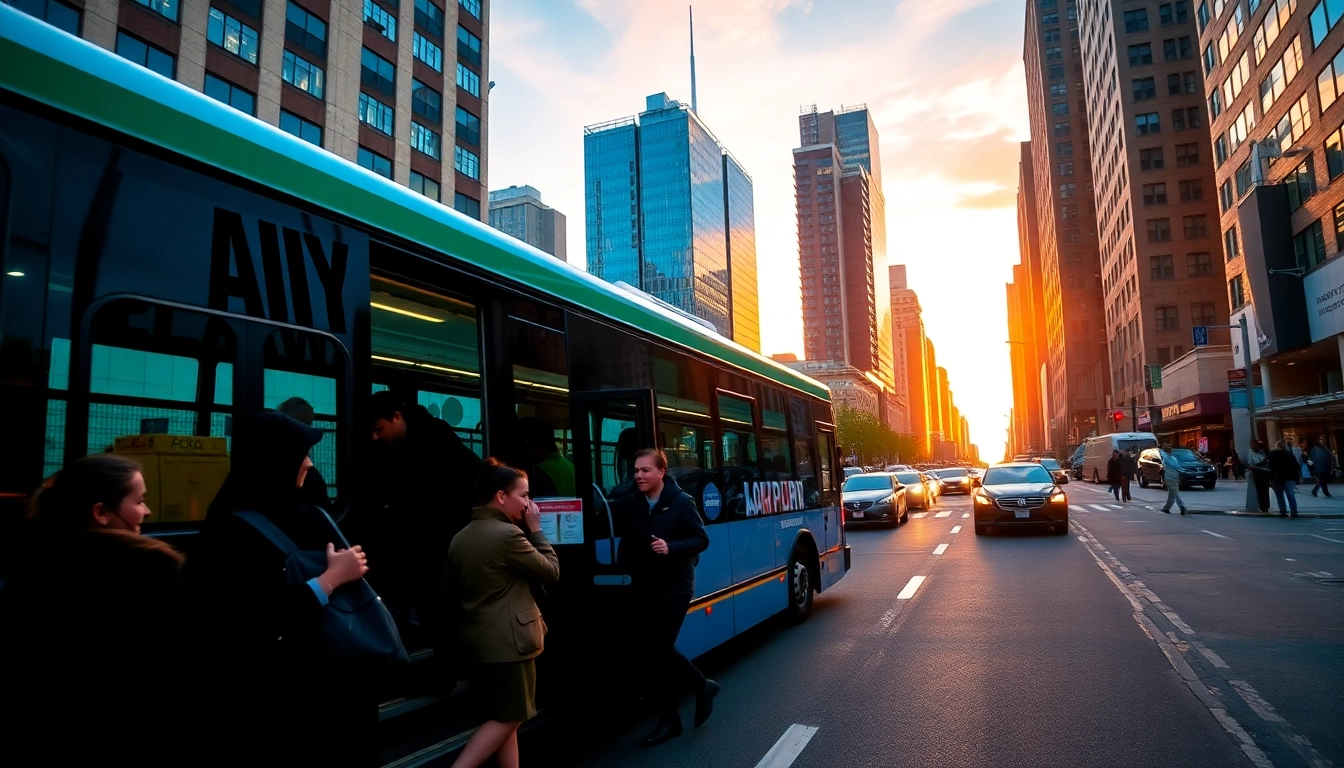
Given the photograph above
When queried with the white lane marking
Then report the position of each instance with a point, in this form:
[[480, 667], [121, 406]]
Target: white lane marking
[[1320, 574], [1337, 541], [789, 747], [1098, 507], [943, 514], [911, 588], [1261, 707], [1136, 521], [1213, 658], [1219, 535], [918, 515], [956, 529], [968, 514], [1115, 506], [1076, 508], [940, 550]]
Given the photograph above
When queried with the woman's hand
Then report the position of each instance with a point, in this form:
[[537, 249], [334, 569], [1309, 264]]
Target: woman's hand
[[532, 517], [343, 567]]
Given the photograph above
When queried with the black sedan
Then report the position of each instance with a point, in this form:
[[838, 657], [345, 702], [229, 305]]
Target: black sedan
[[1020, 494], [876, 497], [1194, 469], [954, 480]]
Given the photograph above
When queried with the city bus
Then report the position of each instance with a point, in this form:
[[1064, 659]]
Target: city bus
[[171, 264]]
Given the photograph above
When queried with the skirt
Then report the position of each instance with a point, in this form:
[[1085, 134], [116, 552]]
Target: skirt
[[505, 691]]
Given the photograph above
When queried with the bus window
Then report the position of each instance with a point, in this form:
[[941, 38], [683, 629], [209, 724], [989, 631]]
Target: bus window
[[775, 453], [300, 378], [542, 439], [825, 463], [737, 424]]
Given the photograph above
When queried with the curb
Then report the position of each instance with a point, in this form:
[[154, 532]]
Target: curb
[[1241, 513]]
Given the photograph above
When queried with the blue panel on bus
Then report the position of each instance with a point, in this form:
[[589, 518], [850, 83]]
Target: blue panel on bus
[[714, 571], [832, 568], [753, 546], [788, 529], [705, 628], [760, 602]]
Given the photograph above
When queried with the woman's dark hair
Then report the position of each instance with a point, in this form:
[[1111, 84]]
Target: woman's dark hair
[[496, 476], [659, 458], [65, 500]]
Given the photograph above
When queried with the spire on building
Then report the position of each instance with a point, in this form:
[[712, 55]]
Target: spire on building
[[694, 107]]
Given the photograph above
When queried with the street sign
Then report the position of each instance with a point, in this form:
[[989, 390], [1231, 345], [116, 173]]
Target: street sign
[[1237, 397], [1201, 333], [1236, 378], [1154, 377]]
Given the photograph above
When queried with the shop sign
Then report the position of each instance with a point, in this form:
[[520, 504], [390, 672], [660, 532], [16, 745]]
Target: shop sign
[[1324, 290], [1203, 444], [1178, 409]]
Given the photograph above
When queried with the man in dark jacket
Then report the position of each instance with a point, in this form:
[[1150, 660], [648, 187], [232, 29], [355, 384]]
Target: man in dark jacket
[[1321, 462], [662, 544], [1130, 467], [1284, 472], [422, 485]]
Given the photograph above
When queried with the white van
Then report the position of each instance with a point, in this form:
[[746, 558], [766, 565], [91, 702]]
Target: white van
[[1097, 451]]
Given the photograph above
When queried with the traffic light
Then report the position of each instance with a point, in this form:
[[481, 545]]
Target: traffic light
[[1117, 416]]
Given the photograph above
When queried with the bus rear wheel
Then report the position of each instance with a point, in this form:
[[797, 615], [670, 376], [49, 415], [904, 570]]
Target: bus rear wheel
[[800, 589]]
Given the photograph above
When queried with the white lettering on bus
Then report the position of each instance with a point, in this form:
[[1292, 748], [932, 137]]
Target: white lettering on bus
[[769, 498]]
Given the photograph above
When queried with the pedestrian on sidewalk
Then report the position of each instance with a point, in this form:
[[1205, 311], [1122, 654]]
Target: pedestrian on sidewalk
[[1131, 470], [1115, 470], [1322, 462], [1303, 471], [1258, 459], [1171, 477], [1225, 470], [1284, 469]]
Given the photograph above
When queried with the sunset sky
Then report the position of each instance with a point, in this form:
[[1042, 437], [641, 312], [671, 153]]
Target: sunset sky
[[944, 82]]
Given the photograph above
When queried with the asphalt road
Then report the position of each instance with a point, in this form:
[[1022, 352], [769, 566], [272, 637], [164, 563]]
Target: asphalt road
[[1203, 641]]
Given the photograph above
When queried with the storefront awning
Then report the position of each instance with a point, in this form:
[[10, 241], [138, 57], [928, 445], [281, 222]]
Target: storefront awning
[[1310, 406]]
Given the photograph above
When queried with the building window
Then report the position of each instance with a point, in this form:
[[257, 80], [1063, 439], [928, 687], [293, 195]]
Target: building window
[[1199, 263], [1177, 48], [165, 8], [1196, 227], [1151, 159], [1068, 190], [1339, 227], [1215, 104], [1310, 245], [1231, 245], [1330, 83], [1148, 123], [430, 17], [1187, 155], [1167, 318], [1281, 74], [471, 83], [1241, 127], [1219, 151], [1144, 88], [376, 114], [147, 55], [1210, 58], [378, 73], [1161, 268], [1225, 196], [467, 163], [1055, 72], [1203, 14], [1236, 79], [1334, 154], [1175, 13], [1067, 212], [1062, 128], [1136, 21], [467, 204], [1155, 194], [56, 13], [381, 20], [1054, 53], [1243, 179], [425, 140], [1173, 84], [303, 74], [1059, 89], [1191, 190], [1066, 169], [1294, 123], [426, 186], [1159, 230], [472, 7], [1050, 18], [468, 46], [374, 162], [1301, 185], [427, 102], [1060, 109], [1322, 21], [1178, 119], [1051, 36], [304, 29], [1236, 292], [427, 52], [1064, 148], [1202, 313], [232, 35], [468, 127], [1140, 54], [308, 131], [222, 90]]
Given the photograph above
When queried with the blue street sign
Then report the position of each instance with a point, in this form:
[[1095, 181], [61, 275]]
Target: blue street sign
[[1201, 335]]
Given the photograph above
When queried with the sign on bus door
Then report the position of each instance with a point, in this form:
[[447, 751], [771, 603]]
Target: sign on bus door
[[612, 425]]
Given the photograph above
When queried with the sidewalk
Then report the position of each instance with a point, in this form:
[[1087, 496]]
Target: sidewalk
[[1228, 497]]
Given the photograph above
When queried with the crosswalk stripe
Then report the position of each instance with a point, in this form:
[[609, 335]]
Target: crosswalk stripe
[[918, 515], [1076, 508], [943, 514], [1098, 507]]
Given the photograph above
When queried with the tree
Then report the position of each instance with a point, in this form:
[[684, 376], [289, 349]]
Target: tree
[[869, 441]]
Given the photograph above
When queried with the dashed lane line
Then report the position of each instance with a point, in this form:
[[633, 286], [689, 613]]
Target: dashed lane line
[[944, 514], [1219, 535], [956, 529], [1337, 541], [789, 747], [966, 515], [940, 550], [911, 588]]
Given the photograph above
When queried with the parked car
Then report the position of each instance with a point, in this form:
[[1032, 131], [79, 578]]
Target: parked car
[[1056, 471], [1019, 494], [1076, 463], [918, 493], [954, 480], [876, 497], [1194, 469]]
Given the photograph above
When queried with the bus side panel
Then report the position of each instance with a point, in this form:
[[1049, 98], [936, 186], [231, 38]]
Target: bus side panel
[[714, 571], [753, 547], [833, 560], [706, 627], [786, 533], [765, 599]]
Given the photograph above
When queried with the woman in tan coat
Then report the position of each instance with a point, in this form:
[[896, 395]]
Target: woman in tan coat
[[491, 566]]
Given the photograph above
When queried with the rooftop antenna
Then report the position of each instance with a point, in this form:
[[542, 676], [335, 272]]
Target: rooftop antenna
[[691, 10]]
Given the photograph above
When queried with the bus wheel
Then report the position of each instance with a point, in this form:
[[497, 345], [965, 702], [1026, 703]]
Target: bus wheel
[[800, 589]]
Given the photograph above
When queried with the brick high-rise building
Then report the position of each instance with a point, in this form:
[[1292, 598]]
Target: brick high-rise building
[[369, 83], [1066, 217], [1026, 322], [1153, 183], [909, 344]]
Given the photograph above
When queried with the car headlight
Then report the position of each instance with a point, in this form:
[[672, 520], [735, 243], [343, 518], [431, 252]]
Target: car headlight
[[1058, 498], [981, 498]]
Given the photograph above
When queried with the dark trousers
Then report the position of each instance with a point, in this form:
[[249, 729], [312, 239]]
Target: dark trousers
[[1124, 487], [1262, 481], [1115, 489], [673, 674], [1322, 483]]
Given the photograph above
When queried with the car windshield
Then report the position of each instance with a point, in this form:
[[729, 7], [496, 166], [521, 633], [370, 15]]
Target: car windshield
[[1185, 454], [950, 473], [1049, 463], [868, 483], [1007, 475], [908, 477]]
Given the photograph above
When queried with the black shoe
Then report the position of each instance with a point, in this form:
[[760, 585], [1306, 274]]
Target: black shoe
[[1283, 514], [666, 731], [704, 703], [1293, 516], [1166, 511], [1313, 493], [1182, 511]]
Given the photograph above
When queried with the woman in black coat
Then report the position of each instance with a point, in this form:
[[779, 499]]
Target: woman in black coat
[[1115, 473], [100, 627], [297, 707]]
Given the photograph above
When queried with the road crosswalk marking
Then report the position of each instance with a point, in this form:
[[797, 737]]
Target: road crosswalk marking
[[1098, 507], [918, 515], [943, 514], [1076, 508]]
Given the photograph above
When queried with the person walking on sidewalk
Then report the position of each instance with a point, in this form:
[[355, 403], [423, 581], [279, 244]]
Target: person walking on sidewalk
[[1258, 459], [1171, 478], [1130, 469], [1303, 471], [1322, 462], [1284, 470], [1115, 469]]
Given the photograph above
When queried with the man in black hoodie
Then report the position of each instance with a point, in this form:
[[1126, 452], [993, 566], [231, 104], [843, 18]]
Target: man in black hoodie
[[662, 544]]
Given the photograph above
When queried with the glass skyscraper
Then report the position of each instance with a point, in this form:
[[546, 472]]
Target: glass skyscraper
[[669, 212]]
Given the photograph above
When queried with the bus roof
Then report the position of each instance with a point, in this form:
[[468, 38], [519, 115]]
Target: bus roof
[[75, 76]]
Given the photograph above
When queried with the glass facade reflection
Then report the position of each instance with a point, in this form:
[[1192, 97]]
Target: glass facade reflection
[[659, 196]]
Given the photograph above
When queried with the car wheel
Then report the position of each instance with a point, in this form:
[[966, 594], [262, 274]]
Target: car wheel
[[1061, 528], [1209, 485], [1143, 480], [800, 589], [981, 529]]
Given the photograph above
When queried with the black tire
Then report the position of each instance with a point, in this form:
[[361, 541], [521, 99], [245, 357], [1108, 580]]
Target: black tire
[[1061, 528], [1143, 480], [800, 589], [981, 529]]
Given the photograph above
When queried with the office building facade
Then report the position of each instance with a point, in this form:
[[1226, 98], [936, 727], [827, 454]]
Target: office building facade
[[519, 211], [1027, 347], [369, 83], [669, 212]]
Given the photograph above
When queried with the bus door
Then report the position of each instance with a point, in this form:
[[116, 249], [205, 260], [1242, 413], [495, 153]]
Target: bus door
[[611, 425]]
